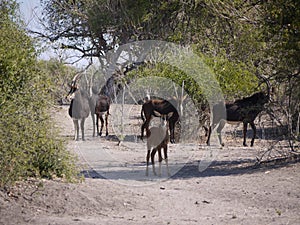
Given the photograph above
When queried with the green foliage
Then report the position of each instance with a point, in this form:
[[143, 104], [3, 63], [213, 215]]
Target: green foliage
[[231, 36], [29, 145], [173, 74], [235, 79], [59, 75], [222, 30]]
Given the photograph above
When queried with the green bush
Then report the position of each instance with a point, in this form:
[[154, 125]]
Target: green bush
[[236, 80], [29, 144]]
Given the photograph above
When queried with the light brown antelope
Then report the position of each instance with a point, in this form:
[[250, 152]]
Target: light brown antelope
[[157, 139]]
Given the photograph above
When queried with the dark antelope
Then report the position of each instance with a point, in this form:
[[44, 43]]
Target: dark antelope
[[157, 139], [243, 110], [99, 105], [79, 107], [102, 107], [163, 107]]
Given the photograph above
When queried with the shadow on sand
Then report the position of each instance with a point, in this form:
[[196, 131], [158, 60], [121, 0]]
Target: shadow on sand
[[217, 168]]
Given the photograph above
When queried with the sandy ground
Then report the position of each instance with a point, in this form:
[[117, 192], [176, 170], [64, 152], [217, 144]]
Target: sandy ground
[[206, 186]]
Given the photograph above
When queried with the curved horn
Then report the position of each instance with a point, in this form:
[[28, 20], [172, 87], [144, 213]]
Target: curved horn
[[76, 77], [265, 79], [256, 64]]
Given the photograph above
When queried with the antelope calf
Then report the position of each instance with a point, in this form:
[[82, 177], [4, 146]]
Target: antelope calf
[[157, 139]]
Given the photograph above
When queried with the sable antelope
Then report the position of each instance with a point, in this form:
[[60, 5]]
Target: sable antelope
[[157, 139], [79, 107], [99, 104], [163, 107], [102, 107], [243, 110]]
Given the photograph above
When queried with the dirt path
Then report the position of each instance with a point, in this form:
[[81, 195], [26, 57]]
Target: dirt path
[[116, 191]]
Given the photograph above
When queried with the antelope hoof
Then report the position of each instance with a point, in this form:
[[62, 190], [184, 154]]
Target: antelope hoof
[[106, 134], [245, 145], [100, 134]]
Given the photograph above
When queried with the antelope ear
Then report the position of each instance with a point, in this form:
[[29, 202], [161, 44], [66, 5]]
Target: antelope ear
[[170, 114]]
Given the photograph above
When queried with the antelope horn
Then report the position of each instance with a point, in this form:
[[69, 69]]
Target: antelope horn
[[76, 77], [267, 83], [256, 64]]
